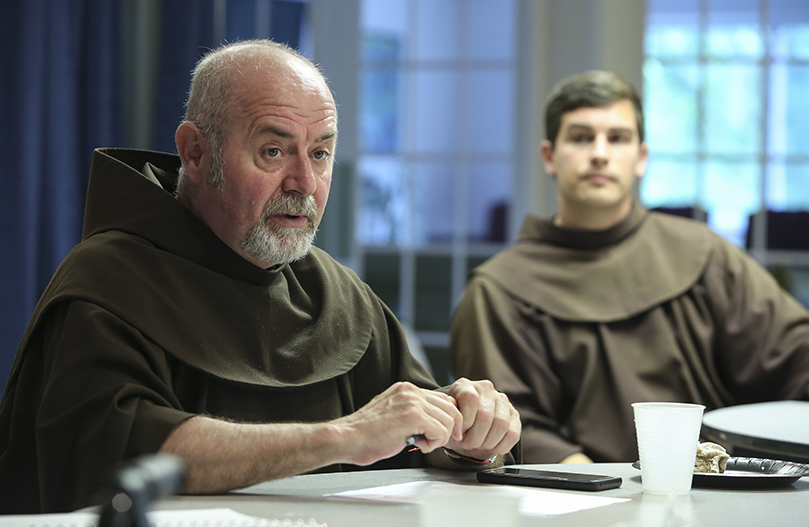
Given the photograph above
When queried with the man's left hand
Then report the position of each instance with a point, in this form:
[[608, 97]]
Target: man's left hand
[[491, 425]]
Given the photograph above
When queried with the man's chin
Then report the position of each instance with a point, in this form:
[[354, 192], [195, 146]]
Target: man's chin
[[603, 197], [280, 250]]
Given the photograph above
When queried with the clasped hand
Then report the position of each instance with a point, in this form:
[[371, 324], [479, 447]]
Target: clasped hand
[[472, 418]]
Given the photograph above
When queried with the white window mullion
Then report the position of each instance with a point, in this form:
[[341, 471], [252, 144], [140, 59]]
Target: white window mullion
[[462, 169], [407, 260], [759, 234]]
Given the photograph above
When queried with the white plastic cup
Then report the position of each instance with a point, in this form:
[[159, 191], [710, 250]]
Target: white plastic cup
[[668, 434]]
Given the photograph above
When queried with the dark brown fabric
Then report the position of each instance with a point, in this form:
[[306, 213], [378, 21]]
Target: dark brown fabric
[[576, 326], [152, 319]]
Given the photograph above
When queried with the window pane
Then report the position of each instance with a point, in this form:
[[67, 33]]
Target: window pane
[[734, 29], [487, 206], [778, 109], [383, 210], [673, 28], [788, 187], [433, 293], [437, 30], [791, 41], [491, 32], [790, 37], [381, 272], [386, 18], [381, 126], [383, 48], [434, 186], [436, 111], [670, 107], [730, 195], [735, 41], [788, 107], [669, 183], [733, 109], [491, 99], [798, 110]]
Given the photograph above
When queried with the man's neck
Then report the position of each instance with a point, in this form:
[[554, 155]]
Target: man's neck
[[188, 202], [590, 218]]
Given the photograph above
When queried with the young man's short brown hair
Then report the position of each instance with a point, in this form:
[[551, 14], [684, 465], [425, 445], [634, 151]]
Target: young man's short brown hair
[[589, 89]]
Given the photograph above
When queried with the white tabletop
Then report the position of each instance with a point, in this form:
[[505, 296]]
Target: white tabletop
[[305, 497], [778, 427]]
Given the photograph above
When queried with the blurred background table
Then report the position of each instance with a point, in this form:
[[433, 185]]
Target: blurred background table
[[775, 430]]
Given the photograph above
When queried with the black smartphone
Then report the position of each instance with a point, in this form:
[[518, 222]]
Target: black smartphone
[[548, 478]]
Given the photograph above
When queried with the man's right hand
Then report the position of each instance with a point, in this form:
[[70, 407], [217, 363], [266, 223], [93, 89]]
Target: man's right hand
[[379, 429], [223, 455]]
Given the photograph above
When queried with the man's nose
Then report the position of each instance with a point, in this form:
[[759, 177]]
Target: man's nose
[[300, 176], [600, 151]]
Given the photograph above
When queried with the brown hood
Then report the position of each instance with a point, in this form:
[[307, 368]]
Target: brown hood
[[587, 279]]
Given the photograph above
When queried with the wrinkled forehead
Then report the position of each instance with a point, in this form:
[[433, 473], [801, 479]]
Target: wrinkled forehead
[[282, 84]]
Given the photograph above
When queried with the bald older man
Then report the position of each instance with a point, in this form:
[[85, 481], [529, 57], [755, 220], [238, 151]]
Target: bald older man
[[195, 317]]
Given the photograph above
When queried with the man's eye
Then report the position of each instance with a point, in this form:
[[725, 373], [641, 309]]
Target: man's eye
[[273, 152], [580, 138], [619, 139], [321, 155]]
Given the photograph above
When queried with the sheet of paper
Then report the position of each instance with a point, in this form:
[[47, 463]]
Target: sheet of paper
[[197, 517], [532, 501]]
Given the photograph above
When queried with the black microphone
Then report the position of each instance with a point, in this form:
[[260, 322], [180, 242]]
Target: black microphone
[[137, 485]]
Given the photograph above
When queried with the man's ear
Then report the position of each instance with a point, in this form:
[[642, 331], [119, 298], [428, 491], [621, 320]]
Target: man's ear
[[546, 149], [193, 150], [643, 159]]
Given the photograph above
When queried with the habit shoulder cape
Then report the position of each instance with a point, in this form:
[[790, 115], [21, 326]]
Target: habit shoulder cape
[[152, 319], [575, 326]]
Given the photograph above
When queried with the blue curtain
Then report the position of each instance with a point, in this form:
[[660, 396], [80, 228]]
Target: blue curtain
[[60, 98], [187, 33], [287, 22]]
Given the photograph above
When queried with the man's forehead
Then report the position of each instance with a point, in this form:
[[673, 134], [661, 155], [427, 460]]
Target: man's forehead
[[278, 130], [619, 115], [285, 83], [283, 98], [285, 112]]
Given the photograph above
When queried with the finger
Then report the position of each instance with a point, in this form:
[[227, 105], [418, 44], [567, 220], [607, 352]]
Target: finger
[[498, 428], [444, 418], [467, 395], [447, 404], [497, 424], [444, 401], [476, 435], [432, 416], [509, 437], [436, 434], [404, 410]]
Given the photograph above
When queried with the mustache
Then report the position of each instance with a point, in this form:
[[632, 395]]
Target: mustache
[[292, 205]]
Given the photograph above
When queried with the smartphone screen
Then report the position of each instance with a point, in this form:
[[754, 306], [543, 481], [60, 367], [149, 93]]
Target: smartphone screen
[[548, 478]]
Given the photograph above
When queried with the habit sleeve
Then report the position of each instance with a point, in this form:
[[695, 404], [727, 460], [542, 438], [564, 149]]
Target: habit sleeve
[[108, 403], [762, 333]]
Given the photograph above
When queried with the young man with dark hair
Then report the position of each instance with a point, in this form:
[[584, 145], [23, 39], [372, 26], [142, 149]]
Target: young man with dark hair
[[607, 304]]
